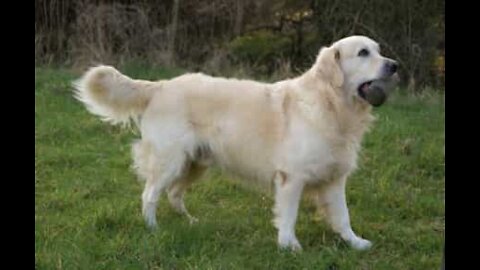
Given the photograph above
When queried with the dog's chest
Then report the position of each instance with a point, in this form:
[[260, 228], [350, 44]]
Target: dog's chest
[[317, 158], [326, 164]]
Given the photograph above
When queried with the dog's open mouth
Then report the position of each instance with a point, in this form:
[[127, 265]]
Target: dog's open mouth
[[372, 92], [375, 92], [363, 89]]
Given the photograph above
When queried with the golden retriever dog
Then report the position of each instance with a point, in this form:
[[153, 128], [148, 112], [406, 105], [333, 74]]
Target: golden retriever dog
[[300, 135]]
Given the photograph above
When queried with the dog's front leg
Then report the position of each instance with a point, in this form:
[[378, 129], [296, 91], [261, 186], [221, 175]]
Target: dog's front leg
[[332, 200], [288, 192]]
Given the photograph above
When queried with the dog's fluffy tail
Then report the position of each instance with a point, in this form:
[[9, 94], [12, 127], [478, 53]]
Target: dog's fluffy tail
[[113, 96]]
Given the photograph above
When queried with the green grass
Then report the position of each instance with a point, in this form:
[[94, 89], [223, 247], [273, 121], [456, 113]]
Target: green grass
[[87, 201]]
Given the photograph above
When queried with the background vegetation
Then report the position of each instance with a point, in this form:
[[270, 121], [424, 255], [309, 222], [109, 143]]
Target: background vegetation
[[249, 37]]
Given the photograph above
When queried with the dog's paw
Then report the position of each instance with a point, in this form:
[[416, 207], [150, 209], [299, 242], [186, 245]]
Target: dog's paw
[[150, 221], [290, 243], [151, 224], [192, 220], [360, 244]]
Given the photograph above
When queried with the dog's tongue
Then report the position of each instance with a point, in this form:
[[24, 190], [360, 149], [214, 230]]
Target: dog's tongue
[[365, 88]]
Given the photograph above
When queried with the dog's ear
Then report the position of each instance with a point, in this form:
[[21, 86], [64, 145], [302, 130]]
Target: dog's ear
[[328, 66]]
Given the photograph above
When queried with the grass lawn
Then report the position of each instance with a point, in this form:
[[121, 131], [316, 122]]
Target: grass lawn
[[87, 200]]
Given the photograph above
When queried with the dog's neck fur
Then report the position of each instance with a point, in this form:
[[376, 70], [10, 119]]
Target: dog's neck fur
[[347, 116]]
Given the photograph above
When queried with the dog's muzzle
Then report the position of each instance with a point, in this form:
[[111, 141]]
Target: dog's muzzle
[[376, 92]]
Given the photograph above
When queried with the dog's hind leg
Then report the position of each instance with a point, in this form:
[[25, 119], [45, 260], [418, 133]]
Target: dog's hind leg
[[177, 190], [165, 168]]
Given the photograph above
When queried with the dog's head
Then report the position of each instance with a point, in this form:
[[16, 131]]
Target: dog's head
[[355, 65]]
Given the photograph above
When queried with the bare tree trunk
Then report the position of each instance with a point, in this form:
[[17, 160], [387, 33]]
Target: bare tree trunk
[[411, 83], [173, 32], [239, 18]]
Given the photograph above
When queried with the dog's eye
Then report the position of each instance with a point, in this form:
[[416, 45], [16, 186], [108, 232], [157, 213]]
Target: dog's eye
[[363, 52]]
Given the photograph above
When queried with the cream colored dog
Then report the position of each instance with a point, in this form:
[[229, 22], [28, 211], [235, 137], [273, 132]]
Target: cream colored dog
[[302, 134]]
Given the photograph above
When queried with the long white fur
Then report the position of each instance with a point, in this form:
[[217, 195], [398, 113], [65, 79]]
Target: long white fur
[[302, 133]]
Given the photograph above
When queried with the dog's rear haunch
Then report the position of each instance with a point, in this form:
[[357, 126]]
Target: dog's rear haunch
[[303, 134]]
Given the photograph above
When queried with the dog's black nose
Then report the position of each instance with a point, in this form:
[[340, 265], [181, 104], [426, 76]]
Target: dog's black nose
[[392, 67]]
